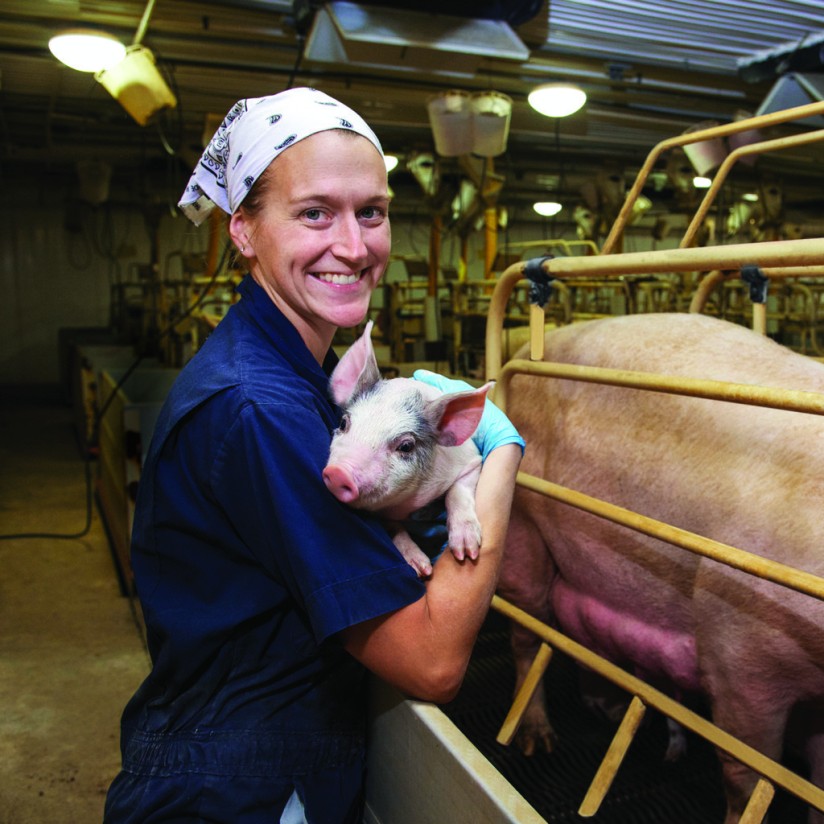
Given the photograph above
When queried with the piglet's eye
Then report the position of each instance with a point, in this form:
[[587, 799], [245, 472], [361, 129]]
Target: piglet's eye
[[344, 423], [406, 446]]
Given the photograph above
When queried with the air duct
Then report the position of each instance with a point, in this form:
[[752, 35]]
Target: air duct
[[793, 90], [375, 36]]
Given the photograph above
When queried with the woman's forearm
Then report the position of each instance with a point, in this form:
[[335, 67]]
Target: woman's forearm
[[424, 649]]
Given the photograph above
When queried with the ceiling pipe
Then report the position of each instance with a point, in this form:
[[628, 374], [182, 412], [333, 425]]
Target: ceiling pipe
[[144, 23]]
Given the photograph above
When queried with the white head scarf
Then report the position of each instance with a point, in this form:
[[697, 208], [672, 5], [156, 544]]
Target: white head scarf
[[254, 132]]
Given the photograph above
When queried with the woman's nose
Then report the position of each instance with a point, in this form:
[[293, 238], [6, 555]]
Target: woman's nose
[[349, 243]]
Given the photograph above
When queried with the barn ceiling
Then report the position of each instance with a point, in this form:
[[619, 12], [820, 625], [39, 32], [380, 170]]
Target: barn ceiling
[[651, 69]]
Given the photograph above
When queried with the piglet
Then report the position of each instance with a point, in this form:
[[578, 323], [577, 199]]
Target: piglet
[[402, 444]]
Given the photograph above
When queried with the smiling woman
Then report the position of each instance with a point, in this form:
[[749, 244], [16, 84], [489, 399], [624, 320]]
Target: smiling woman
[[319, 242], [265, 598]]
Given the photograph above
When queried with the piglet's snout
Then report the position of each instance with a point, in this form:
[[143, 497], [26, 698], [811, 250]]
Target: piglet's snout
[[341, 483]]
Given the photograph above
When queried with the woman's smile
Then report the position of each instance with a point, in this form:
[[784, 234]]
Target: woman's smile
[[338, 279]]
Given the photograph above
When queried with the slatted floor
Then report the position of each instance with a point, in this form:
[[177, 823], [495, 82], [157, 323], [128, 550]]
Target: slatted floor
[[647, 789]]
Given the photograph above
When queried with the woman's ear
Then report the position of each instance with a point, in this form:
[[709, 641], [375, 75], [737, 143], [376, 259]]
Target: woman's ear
[[240, 230]]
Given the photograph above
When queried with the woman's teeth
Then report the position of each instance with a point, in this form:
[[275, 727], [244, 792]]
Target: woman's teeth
[[339, 279]]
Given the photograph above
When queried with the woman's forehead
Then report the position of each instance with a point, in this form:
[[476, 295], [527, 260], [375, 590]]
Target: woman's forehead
[[321, 162]]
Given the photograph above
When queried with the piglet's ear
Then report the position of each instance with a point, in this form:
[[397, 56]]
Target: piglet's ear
[[460, 413], [356, 371]]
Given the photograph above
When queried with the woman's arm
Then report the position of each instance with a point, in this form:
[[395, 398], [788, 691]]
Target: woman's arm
[[424, 648]]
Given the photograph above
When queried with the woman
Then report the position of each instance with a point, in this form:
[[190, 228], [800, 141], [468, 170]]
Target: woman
[[265, 599]]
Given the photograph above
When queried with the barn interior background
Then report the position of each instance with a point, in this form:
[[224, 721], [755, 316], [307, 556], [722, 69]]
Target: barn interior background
[[91, 237], [99, 268]]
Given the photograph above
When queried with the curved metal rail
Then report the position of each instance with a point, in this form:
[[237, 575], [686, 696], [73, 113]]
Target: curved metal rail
[[774, 119], [775, 258]]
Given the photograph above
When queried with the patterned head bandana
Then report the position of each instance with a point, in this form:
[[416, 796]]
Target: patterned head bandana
[[252, 135]]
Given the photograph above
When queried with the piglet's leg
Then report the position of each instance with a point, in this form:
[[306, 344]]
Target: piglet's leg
[[461, 520], [412, 553]]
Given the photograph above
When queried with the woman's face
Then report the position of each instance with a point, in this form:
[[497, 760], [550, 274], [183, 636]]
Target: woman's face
[[321, 240]]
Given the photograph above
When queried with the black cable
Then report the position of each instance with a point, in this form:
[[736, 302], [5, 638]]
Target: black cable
[[298, 61], [99, 417]]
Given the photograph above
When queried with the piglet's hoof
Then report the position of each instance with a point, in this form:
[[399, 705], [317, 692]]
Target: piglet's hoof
[[464, 538], [413, 554]]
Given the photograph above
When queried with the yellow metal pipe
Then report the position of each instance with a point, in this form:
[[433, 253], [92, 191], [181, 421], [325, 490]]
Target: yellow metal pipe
[[723, 553], [758, 804], [463, 262], [490, 239], [762, 121], [785, 258], [495, 318], [806, 252], [613, 759], [537, 318], [757, 761], [434, 255], [566, 246], [759, 318], [729, 161], [794, 272], [705, 287], [524, 696], [793, 400]]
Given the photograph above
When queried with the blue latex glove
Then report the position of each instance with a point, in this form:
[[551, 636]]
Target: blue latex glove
[[493, 431]]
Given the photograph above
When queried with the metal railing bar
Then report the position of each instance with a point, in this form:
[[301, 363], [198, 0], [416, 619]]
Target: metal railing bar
[[614, 757], [522, 699], [758, 804], [791, 400], [760, 121], [714, 550], [793, 141], [766, 767]]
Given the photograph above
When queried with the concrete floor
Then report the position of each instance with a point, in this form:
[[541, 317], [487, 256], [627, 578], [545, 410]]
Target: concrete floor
[[71, 653]]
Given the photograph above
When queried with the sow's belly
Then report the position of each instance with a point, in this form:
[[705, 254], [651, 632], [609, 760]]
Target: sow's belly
[[651, 651]]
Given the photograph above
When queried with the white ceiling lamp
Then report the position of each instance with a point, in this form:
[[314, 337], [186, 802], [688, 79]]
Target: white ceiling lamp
[[391, 162], [557, 99], [464, 123], [701, 182], [130, 76], [87, 51], [547, 208]]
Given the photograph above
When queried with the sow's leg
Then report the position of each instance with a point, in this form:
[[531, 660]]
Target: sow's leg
[[526, 579], [751, 696], [813, 725]]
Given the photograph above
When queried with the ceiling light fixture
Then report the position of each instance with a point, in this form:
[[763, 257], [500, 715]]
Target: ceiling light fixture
[[557, 99], [87, 51], [137, 85], [128, 74], [464, 123], [701, 182], [391, 162], [547, 208]]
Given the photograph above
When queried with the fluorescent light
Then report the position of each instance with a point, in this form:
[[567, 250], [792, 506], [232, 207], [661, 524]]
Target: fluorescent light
[[87, 51], [701, 182], [751, 197], [391, 162], [557, 99], [547, 208]]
